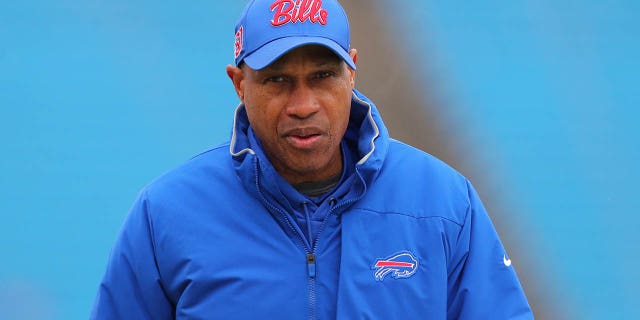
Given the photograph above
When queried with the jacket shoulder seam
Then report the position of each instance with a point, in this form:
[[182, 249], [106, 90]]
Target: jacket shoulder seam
[[413, 216], [222, 146]]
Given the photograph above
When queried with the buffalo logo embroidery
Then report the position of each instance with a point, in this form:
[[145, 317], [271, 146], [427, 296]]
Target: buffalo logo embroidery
[[290, 11], [238, 42], [401, 265]]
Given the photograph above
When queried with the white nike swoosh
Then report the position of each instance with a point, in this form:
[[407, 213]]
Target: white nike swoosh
[[507, 262]]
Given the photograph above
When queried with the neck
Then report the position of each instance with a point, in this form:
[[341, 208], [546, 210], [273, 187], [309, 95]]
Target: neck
[[299, 176]]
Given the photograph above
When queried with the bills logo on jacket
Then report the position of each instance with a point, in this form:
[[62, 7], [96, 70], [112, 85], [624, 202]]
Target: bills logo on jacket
[[401, 265], [289, 11]]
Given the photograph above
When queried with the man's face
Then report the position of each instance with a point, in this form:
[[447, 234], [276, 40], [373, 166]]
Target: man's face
[[299, 108]]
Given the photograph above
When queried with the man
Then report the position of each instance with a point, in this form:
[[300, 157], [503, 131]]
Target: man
[[311, 210]]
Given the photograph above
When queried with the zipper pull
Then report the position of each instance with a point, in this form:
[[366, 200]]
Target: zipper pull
[[311, 265]]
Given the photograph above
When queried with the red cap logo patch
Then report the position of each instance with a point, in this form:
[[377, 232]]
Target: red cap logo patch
[[238, 42], [290, 11]]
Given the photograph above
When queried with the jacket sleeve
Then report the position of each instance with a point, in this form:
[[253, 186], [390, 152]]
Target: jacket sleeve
[[482, 283], [131, 288]]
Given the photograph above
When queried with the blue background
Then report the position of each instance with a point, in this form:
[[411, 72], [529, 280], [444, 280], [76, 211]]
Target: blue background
[[99, 97]]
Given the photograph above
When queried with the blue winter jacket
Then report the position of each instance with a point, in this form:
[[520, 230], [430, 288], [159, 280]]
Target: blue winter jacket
[[405, 237]]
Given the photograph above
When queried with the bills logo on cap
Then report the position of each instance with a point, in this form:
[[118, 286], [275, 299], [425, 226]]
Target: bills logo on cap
[[290, 11], [400, 265], [238, 42]]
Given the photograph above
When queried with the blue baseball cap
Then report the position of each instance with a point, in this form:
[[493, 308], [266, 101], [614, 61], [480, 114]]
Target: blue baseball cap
[[268, 29]]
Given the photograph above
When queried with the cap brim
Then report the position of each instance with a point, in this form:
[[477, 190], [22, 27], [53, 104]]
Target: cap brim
[[273, 50]]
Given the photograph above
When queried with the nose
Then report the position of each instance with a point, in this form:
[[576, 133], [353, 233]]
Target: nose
[[303, 102]]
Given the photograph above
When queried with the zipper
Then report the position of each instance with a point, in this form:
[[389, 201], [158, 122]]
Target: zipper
[[311, 262], [311, 257], [311, 272], [309, 248], [311, 265]]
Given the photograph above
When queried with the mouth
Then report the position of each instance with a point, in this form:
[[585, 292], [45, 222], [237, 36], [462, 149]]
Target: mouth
[[304, 139]]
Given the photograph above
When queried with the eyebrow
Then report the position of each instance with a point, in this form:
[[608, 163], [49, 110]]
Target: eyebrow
[[328, 61]]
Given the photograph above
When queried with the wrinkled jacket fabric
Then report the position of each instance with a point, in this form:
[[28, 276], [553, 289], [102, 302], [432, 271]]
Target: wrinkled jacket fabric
[[405, 237]]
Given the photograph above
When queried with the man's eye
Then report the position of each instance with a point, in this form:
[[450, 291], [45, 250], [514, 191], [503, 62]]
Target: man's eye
[[276, 79], [323, 74]]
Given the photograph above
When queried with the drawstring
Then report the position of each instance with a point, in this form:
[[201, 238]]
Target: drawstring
[[308, 218]]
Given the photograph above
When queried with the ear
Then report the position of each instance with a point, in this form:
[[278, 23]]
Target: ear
[[353, 53], [237, 78]]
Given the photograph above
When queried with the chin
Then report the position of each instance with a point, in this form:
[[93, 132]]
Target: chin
[[308, 169]]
